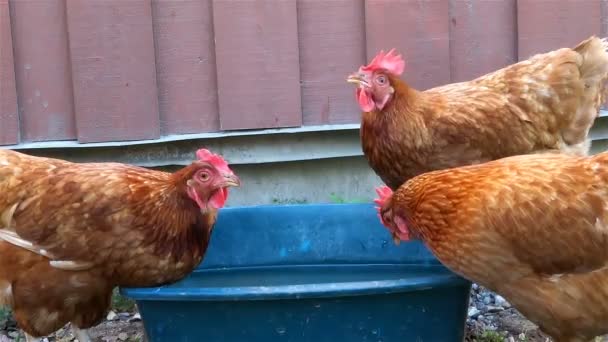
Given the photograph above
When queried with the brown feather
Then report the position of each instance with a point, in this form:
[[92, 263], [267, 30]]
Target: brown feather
[[545, 103], [533, 228], [137, 226]]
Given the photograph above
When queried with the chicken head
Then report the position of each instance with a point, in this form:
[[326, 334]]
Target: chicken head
[[211, 177], [394, 223], [374, 89]]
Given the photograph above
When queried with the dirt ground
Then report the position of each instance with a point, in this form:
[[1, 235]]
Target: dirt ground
[[117, 330]]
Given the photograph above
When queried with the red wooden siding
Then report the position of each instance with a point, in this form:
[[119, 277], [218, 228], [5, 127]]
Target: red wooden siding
[[332, 45], [604, 8], [564, 23], [9, 120], [185, 66], [110, 70], [483, 37], [419, 30], [113, 66], [44, 81], [258, 76]]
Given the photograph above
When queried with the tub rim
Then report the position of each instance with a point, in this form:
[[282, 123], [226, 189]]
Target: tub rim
[[442, 279]]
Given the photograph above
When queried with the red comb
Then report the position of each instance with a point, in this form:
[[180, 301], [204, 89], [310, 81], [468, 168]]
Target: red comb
[[215, 159], [391, 62], [400, 230], [384, 193]]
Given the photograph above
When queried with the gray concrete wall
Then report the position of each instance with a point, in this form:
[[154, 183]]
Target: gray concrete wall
[[313, 181], [321, 164], [314, 164]]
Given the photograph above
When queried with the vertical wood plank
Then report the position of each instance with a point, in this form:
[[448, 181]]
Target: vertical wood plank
[[332, 45], [483, 37], [9, 119], [419, 30], [42, 70], [604, 28], [604, 18], [258, 76], [112, 51], [547, 25], [185, 66]]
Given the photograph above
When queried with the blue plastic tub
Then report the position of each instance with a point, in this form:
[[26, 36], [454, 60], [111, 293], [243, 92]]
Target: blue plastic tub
[[307, 273]]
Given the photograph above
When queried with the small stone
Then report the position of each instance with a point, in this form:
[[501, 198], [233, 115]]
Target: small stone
[[13, 334], [4, 338], [511, 339], [112, 316], [522, 337], [494, 309], [480, 318], [473, 312], [135, 318], [124, 315], [123, 336], [501, 301], [475, 287], [60, 332], [487, 300]]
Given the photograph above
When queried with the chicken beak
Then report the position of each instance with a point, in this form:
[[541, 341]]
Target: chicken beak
[[231, 180], [358, 79]]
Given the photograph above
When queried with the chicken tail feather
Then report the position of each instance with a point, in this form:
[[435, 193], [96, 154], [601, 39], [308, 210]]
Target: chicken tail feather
[[6, 219], [593, 73], [68, 265], [594, 68], [12, 238], [594, 52]]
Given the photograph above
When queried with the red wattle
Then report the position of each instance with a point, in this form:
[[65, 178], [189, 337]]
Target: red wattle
[[365, 101], [218, 199]]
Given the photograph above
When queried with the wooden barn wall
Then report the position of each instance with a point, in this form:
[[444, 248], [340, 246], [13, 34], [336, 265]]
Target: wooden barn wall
[[111, 70]]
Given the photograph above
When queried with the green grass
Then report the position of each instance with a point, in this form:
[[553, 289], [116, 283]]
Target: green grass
[[5, 317], [490, 336], [5, 313], [289, 201], [121, 303], [341, 200], [333, 198]]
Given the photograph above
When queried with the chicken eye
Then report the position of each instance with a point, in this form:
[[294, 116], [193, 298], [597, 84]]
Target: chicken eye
[[381, 79], [204, 176]]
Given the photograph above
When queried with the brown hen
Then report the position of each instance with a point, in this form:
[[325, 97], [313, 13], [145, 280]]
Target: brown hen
[[548, 102], [72, 232], [533, 228]]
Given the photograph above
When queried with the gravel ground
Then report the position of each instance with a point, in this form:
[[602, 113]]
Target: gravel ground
[[119, 327], [492, 319]]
